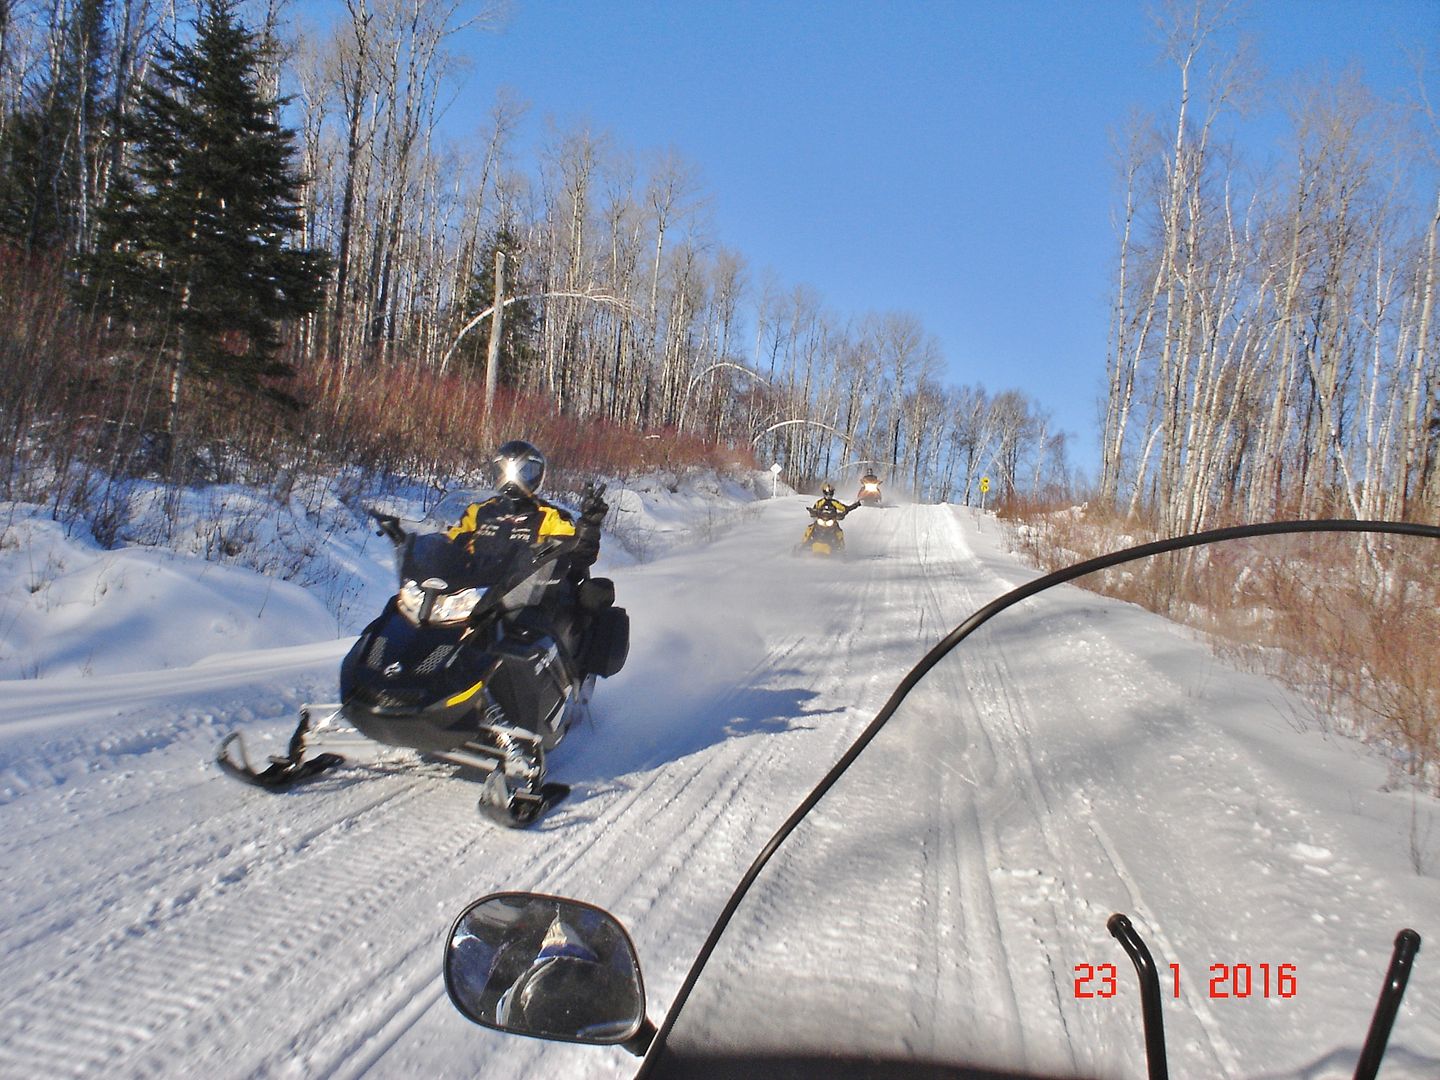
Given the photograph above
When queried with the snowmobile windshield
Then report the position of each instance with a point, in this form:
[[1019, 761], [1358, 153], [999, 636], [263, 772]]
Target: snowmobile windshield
[[477, 563], [1237, 745], [434, 557], [442, 580]]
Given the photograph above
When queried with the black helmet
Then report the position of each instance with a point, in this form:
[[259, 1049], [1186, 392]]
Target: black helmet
[[828, 490], [519, 467]]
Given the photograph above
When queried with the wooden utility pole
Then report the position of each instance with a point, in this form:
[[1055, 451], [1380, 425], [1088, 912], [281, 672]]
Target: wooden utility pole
[[497, 317]]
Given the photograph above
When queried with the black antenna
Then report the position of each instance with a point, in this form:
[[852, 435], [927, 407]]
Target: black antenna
[[1122, 931], [1407, 944]]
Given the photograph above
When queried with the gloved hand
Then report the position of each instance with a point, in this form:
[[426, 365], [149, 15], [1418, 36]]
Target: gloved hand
[[593, 509], [593, 506]]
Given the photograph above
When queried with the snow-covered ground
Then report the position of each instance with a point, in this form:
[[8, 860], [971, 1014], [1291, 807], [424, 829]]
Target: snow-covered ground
[[159, 919]]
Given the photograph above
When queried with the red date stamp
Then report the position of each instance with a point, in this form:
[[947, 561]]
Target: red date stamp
[[1225, 980]]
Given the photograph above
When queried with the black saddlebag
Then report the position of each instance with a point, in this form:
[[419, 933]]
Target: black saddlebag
[[607, 643]]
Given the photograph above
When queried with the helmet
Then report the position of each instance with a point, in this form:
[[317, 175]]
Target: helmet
[[519, 467], [573, 998], [828, 490]]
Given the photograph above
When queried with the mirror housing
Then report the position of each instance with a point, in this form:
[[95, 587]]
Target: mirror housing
[[547, 967]]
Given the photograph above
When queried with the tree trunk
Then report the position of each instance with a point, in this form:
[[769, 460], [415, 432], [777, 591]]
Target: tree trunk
[[492, 353]]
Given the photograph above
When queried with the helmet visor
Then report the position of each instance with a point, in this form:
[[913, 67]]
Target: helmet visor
[[520, 465]]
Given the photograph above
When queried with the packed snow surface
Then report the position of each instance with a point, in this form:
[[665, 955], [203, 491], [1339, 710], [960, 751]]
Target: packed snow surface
[[159, 919]]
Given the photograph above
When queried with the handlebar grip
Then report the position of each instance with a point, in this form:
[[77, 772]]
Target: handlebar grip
[[389, 525]]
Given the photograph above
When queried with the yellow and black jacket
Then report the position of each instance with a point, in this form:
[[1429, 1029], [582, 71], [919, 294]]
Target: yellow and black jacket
[[527, 521], [831, 508]]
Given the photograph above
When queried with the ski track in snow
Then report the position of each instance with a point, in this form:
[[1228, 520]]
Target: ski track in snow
[[162, 920]]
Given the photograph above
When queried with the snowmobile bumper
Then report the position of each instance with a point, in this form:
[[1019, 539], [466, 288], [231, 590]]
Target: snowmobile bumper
[[432, 730]]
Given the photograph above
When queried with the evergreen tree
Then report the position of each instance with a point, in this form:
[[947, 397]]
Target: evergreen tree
[[193, 252], [53, 140], [521, 321]]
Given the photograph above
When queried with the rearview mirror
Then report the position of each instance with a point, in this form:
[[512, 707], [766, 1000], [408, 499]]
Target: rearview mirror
[[547, 967]]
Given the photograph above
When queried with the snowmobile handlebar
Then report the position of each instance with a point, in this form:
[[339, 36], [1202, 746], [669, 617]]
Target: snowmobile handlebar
[[389, 526]]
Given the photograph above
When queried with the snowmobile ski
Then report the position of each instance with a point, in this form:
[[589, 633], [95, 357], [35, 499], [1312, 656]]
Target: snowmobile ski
[[283, 771], [515, 793], [515, 808]]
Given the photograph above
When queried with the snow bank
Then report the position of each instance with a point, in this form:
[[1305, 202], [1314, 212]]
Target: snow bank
[[226, 569]]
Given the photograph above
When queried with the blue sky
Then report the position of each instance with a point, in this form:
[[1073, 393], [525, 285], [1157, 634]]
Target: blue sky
[[952, 159]]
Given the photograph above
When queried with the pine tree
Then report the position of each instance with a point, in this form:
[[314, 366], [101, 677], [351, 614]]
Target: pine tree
[[521, 323], [193, 251]]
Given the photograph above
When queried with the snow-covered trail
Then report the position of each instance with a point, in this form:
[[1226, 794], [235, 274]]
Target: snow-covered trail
[[159, 918], [1079, 758], [162, 920]]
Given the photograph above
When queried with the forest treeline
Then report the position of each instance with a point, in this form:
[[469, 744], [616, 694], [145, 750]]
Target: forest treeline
[[1274, 346], [376, 254], [232, 241]]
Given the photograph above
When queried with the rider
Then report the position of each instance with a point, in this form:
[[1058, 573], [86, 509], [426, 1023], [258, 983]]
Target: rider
[[569, 991], [552, 599], [518, 514], [828, 506]]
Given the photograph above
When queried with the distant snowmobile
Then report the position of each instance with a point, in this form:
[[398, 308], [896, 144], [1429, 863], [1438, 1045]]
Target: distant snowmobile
[[483, 660], [869, 490]]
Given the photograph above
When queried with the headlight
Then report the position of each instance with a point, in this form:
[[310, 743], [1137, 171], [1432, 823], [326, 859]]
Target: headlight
[[448, 608], [455, 607], [409, 599]]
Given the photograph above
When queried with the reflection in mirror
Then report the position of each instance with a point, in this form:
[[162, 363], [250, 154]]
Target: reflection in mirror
[[545, 966]]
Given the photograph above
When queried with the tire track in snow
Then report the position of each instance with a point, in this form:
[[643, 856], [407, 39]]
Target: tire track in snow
[[968, 920], [726, 840], [1018, 923], [206, 941], [200, 852], [864, 822], [1053, 923]]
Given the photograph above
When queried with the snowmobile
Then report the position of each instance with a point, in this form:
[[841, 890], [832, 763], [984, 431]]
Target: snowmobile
[[838, 958], [869, 494], [823, 536], [483, 658]]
